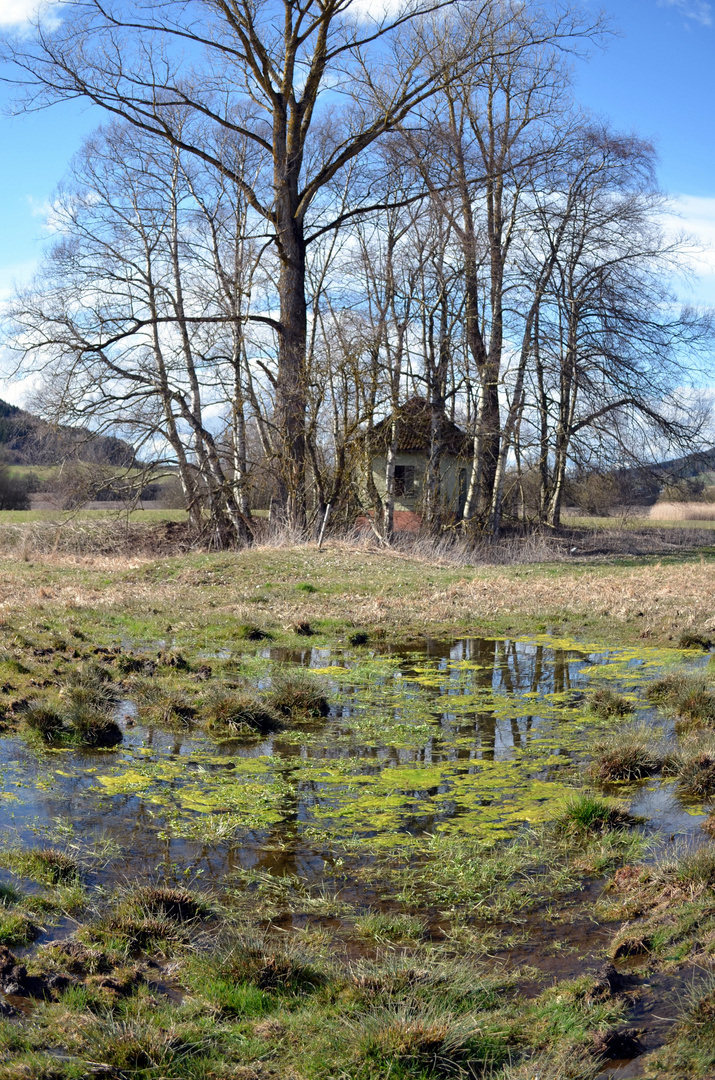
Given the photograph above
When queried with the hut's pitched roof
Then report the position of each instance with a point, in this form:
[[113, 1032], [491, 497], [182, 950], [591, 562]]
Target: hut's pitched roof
[[414, 428]]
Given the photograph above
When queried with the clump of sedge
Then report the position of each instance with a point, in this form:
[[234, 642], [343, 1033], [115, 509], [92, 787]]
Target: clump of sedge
[[691, 698], [298, 692], [605, 703], [166, 706], [631, 754], [585, 813], [690, 640], [238, 712], [45, 722], [696, 776], [250, 632], [177, 904]]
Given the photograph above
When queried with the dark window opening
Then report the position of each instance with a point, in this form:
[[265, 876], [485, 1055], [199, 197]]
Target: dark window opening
[[405, 483]]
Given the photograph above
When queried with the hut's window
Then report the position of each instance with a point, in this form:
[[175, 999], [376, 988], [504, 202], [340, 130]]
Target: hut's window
[[404, 480]]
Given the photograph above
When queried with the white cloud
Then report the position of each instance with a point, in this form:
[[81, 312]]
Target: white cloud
[[12, 274], [695, 215], [375, 9], [698, 11], [39, 208], [20, 12], [381, 9], [13, 388], [16, 390]]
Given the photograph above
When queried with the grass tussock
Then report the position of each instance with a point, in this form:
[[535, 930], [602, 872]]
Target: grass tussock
[[17, 928], [48, 865], [81, 714], [606, 703], [75, 724], [632, 753], [696, 772], [91, 728], [692, 640], [180, 905], [158, 919], [692, 867], [585, 814], [231, 712], [690, 696], [418, 1040], [45, 721], [271, 967], [298, 693], [129, 933], [167, 706], [173, 659], [251, 632], [91, 684]]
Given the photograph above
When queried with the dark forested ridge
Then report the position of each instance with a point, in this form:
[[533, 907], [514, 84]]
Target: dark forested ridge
[[27, 440]]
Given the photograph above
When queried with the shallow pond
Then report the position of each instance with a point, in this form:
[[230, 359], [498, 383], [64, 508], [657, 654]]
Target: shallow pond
[[477, 736]]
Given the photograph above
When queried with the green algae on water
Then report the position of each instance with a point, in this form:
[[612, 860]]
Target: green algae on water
[[479, 740]]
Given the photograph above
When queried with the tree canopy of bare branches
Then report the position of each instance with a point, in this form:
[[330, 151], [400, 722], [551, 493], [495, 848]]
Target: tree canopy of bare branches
[[300, 215]]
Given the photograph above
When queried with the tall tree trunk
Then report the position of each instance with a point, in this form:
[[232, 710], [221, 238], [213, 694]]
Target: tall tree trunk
[[388, 510], [437, 374], [567, 410], [291, 390]]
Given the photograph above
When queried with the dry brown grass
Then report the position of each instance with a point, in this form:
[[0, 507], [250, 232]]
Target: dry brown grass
[[662, 596], [682, 511], [107, 536], [377, 590]]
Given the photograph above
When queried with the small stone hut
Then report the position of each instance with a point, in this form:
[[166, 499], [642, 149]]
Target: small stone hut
[[413, 447]]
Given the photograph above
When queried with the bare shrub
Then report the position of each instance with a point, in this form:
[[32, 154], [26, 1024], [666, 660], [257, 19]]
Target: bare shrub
[[596, 493], [14, 491]]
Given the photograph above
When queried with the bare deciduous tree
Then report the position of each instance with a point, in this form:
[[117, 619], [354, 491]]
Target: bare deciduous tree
[[133, 321]]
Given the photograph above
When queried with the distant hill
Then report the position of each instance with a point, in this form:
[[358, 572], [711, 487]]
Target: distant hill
[[687, 467], [27, 440], [643, 483]]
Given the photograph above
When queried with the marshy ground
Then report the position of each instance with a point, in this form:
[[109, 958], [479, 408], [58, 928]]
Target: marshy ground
[[341, 814]]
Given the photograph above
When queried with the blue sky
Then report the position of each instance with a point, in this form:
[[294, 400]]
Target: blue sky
[[656, 78]]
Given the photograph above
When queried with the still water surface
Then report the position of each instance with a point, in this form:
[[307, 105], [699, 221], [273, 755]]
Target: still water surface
[[477, 736]]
